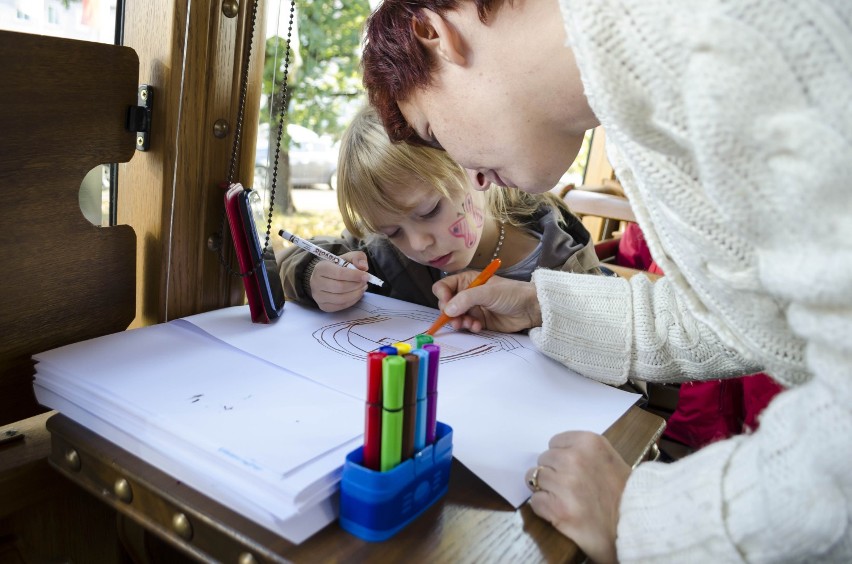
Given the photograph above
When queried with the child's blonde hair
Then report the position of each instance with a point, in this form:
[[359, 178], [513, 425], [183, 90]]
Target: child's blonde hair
[[370, 164]]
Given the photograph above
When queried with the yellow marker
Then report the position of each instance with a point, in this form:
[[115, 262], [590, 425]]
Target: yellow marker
[[402, 348]]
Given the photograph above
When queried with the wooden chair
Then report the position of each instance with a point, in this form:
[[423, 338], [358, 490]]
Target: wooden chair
[[64, 280], [608, 203]]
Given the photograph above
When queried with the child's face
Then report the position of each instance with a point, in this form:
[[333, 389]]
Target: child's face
[[440, 232]]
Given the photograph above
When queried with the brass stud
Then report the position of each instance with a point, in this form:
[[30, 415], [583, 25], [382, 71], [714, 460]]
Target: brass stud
[[123, 491], [220, 128], [230, 8], [182, 526], [247, 558], [73, 459]]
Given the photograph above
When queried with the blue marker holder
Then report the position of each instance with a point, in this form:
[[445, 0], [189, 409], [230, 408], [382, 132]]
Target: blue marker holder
[[376, 505]]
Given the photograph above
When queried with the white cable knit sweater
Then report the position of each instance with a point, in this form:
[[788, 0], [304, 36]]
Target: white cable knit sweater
[[730, 126]]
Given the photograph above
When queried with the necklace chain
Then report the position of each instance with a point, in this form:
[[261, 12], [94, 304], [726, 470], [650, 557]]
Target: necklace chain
[[500, 240]]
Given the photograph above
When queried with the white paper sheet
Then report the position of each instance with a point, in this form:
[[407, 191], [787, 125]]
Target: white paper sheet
[[261, 416], [503, 398], [244, 411]]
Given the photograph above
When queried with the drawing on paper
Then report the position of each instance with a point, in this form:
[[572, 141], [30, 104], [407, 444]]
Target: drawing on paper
[[357, 337]]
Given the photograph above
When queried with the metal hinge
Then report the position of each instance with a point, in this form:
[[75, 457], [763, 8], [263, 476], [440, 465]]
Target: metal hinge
[[139, 116]]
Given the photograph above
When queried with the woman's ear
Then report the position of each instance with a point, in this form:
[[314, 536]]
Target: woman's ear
[[439, 36]]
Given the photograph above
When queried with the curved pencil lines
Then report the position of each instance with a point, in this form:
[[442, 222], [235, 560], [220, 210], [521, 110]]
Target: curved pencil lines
[[356, 337], [337, 337]]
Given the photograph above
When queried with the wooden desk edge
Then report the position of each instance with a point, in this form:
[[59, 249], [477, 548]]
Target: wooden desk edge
[[634, 434], [25, 476], [222, 533]]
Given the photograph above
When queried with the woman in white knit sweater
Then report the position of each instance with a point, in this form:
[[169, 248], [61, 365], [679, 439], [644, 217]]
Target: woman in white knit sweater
[[729, 123]]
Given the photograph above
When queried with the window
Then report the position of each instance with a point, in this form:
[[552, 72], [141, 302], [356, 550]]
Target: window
[[325, 91]]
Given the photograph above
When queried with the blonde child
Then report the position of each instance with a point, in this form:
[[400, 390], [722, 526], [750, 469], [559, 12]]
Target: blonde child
[[412, 216]]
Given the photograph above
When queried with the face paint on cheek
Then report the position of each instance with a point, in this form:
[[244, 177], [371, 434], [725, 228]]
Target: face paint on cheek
[[466, 226], [473, 211]]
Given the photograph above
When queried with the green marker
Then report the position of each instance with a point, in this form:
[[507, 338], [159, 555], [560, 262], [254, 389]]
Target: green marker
[[393, 387], [423, 339]]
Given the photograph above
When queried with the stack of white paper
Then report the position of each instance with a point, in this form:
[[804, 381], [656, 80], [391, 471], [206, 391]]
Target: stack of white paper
[[260, 417], [249, 434]]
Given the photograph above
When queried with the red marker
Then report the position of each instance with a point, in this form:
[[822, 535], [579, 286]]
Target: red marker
[[373, 417]]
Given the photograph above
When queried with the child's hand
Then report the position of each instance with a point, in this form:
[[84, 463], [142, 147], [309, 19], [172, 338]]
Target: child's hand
[[334, 287]]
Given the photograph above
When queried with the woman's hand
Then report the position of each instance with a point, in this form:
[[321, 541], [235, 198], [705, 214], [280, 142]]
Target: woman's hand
[[335, 288], [577, 486], [500, 304]]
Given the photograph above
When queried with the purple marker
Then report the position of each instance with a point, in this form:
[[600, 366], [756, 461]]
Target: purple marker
[[432, 392]]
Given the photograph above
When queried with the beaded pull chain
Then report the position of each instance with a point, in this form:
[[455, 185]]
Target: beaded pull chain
[[237, 139]]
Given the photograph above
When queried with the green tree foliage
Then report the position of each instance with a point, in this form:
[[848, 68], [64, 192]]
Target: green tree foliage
[[330, 75], [323, 78], [327, 79], [274, 67]]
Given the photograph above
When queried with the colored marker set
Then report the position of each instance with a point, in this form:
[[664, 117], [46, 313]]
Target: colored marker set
[[402, 396], [404, 465]]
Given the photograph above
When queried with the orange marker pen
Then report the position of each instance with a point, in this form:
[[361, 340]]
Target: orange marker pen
[[483, 277]]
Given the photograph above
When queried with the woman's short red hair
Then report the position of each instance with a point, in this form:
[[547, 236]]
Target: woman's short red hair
[[395, 63]]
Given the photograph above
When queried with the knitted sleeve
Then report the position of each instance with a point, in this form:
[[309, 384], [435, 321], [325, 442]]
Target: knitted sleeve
[[741, 169], [609, 329], [781, 494]]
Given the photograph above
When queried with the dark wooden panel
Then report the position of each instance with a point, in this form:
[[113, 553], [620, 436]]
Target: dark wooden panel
[[62, 112], [44, 517]]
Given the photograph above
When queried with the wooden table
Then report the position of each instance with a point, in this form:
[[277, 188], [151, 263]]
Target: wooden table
[[471, 523], [25, 478]]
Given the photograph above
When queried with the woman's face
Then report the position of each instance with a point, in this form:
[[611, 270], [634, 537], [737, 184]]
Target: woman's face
[[438, 231]]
